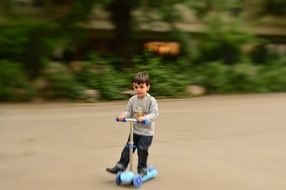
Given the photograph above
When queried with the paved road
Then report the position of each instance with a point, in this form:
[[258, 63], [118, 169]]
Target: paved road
[[206, 143]]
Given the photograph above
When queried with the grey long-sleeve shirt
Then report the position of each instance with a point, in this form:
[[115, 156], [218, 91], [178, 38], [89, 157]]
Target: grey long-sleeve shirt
[[147, 107]]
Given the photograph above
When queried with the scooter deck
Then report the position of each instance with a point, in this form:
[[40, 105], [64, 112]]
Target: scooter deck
[[129, 178], [151, 173]]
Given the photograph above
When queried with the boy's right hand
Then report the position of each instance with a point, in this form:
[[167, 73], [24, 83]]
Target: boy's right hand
[[121, 117]]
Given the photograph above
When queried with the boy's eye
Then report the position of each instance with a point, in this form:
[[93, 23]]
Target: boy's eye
[[138, 86]]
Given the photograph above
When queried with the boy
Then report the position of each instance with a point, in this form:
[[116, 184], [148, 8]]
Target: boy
[[141, 106]]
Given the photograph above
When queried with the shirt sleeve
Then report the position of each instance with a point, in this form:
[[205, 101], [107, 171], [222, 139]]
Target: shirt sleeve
[[128, 112], [154, 110]]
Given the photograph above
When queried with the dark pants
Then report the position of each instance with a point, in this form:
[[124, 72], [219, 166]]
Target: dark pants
[[142, 143]]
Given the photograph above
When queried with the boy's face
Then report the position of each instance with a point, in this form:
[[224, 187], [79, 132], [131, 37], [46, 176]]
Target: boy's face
[[141, 89]]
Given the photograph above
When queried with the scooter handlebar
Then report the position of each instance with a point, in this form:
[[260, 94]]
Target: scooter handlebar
[[144, 122]]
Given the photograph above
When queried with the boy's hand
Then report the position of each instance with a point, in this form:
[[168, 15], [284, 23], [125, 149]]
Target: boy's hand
[[141, 119], [121, 117]]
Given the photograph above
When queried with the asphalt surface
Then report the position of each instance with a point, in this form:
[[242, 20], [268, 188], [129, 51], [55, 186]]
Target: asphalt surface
[[208, 143]]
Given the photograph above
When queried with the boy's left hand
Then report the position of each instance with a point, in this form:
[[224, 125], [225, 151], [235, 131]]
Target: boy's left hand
[[140, 119]]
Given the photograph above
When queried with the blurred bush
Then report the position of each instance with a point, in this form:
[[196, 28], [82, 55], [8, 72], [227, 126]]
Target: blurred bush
[[14, 85], [212, 76], [97, 78], [166, 81], [217, 77], [27, 42], [60, 83], [99, 73], [273, 76], [243, 78], [224, 42]]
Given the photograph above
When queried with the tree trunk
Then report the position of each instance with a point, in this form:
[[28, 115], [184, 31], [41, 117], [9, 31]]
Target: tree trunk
[[121, 17]]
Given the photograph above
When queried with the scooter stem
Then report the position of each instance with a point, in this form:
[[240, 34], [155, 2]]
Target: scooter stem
[[131, 147]]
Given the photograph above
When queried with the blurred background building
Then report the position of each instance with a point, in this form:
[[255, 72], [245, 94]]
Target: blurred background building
[[264, 18]]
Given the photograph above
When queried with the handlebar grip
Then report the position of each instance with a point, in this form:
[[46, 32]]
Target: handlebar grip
[[124, 120], [144, 122]]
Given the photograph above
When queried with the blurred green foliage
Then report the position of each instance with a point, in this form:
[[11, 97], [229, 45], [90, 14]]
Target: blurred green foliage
[[22, 41], [226, 58], [99, 73], [217, 77], [224, 42], [14, 84], [166, 80], [60, 83]]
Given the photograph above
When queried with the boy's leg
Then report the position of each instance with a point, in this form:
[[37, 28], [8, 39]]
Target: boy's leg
[[124, 158], [122, 163], [142, 150]]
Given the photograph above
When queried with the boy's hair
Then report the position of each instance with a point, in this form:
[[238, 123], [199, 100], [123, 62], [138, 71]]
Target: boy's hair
[[141, 78]]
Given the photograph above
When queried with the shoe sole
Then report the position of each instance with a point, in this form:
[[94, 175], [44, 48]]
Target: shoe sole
[[110, 172]]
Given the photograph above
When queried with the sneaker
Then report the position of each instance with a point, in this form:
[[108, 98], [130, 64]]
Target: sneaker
[[115, 169], [142, 171]]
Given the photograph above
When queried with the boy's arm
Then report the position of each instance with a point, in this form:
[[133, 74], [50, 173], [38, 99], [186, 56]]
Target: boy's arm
[[127, 113], [154, 111]]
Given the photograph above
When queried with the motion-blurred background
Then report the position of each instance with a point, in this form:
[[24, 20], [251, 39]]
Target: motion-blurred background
[[87, 50]]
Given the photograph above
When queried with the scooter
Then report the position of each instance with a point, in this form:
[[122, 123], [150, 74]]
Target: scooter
[[129, 177]]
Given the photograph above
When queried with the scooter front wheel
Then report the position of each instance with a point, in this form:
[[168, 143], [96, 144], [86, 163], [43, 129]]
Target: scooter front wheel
[[137, 181], [117, 178]]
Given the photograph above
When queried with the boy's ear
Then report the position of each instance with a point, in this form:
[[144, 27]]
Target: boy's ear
[[148, 87]]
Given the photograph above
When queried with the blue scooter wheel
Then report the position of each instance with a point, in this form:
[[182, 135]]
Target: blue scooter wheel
[[117, 178], [150, 168], [137, 181]]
